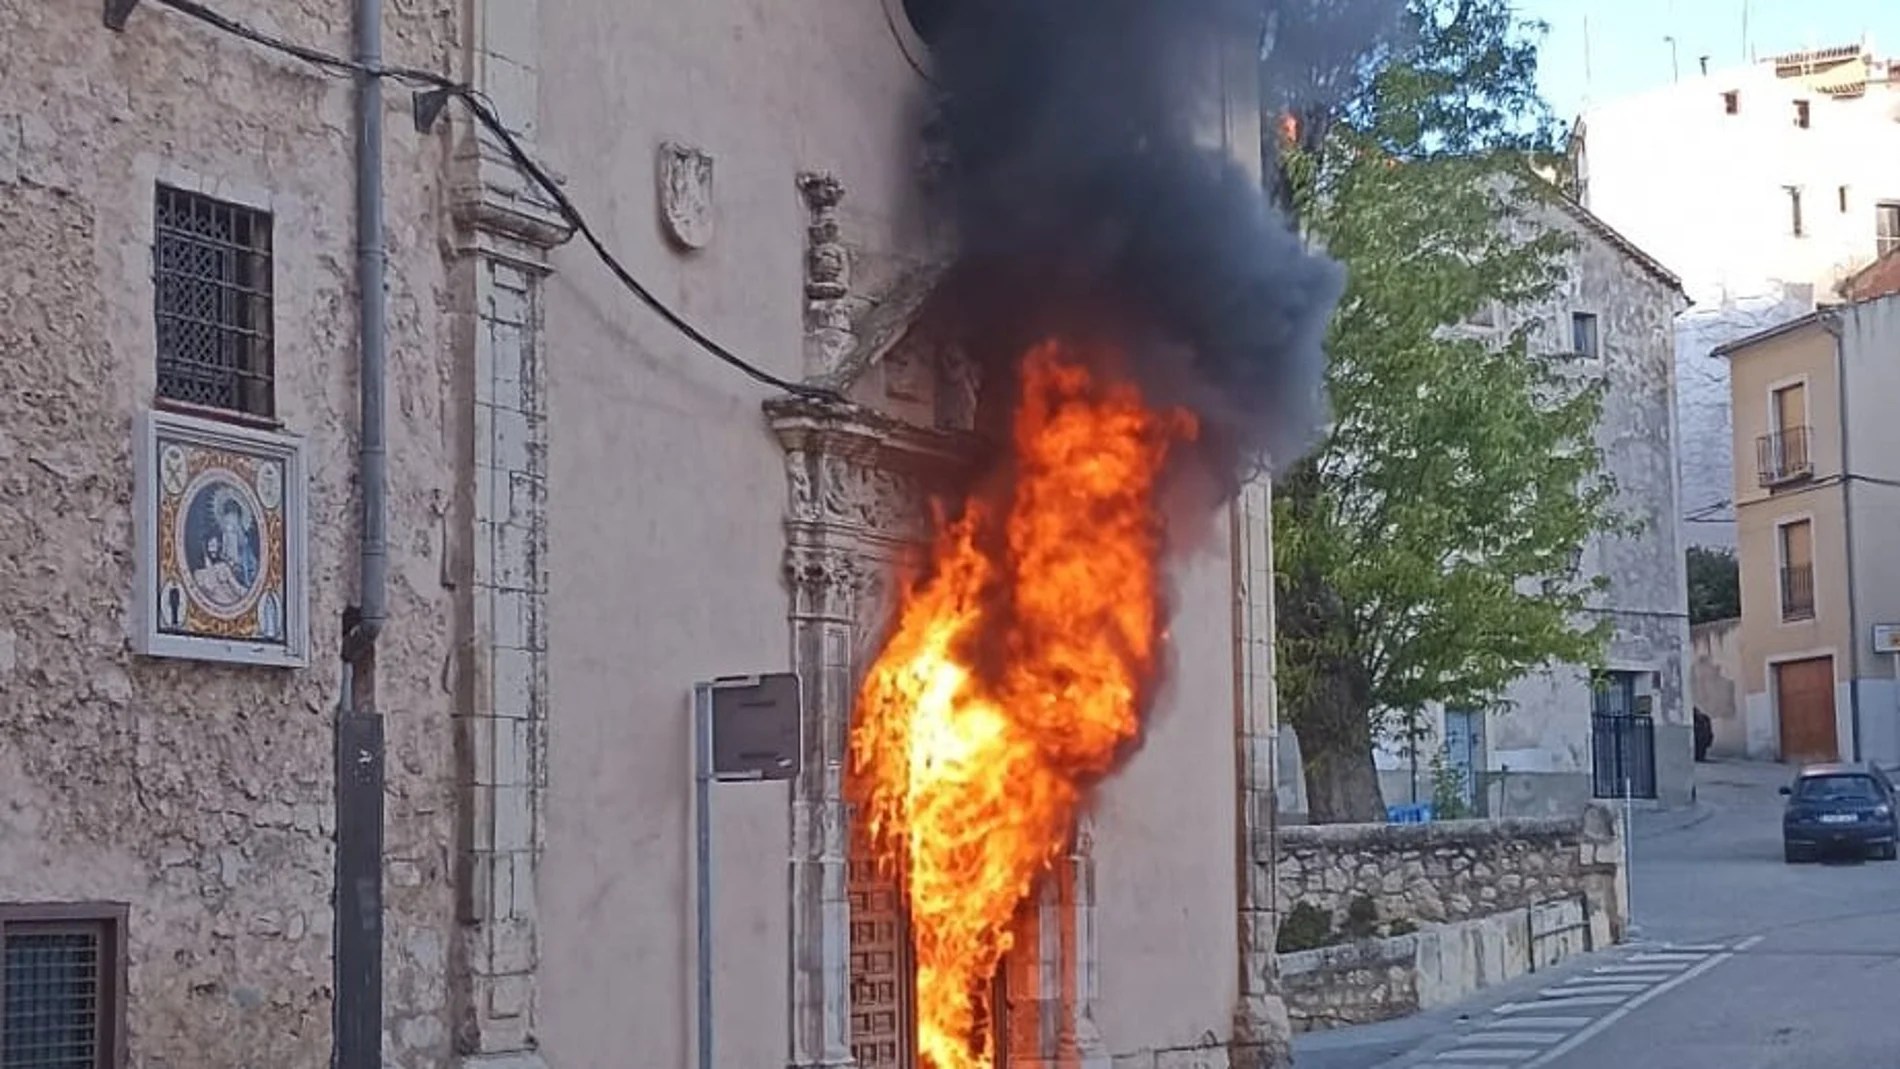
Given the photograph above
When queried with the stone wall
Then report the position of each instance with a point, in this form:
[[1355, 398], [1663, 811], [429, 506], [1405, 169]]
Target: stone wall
[[1718, 685], [1455, 871], [200, 794], [1380, 979]]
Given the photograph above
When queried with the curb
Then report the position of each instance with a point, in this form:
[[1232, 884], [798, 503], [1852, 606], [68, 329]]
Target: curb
[[1697, 814]]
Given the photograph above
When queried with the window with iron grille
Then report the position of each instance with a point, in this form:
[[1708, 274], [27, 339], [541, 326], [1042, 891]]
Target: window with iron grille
[[212, 265], [62, 985]]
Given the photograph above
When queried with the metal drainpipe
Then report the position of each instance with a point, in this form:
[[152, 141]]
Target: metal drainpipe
[[1833, 326], [357, 1023]]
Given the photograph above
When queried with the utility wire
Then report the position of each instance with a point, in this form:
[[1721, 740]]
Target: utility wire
[[485, 114], [1653, 614]]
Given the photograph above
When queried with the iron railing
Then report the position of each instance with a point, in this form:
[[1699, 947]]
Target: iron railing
[[1782, 457]]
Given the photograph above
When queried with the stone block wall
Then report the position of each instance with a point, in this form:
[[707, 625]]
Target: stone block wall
[[1718, 688], [1380, 979], [1456, 870]]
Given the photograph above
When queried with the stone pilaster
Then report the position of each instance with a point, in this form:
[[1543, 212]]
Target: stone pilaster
[[505, 230], [1262, 1035]]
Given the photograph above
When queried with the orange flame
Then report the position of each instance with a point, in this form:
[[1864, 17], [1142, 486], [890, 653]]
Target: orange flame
[[1012, 679]]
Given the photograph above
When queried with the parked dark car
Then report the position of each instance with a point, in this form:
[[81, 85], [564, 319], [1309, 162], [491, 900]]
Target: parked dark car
[[1840, 808]]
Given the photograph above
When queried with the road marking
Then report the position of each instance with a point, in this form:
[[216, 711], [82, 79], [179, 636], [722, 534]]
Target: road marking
[[1591, 988], [1510, 1024], [1659, 959], [1712, 948], [1577, 1002], [1637, 970], [1491, 1056], [1631, 1006], [1542, 1039]]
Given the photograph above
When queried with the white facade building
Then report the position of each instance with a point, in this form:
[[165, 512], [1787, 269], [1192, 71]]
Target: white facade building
[[1762, 187]]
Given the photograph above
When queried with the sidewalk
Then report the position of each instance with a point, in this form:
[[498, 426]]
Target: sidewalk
[[1372, 1045]]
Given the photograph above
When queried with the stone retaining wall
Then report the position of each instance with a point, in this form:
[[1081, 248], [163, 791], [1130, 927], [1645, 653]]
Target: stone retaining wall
[[1455, 870], [1492, 900], [1379, 979]]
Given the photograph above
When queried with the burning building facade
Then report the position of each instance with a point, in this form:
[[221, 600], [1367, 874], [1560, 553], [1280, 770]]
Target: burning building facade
[[1098, 897], [588, 515]]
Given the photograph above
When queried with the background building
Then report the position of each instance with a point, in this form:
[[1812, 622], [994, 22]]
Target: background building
[[1563, 737], [1762, 187], [1817, 487]]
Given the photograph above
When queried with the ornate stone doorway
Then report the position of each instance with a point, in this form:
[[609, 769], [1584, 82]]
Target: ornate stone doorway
[[860, 477]]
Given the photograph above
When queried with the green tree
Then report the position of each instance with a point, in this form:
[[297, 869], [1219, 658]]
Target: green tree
[[1715, 585], [1428, 550]]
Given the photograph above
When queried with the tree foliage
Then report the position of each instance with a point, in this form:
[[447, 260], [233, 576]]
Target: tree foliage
[[1715, 585], [1428, 551]]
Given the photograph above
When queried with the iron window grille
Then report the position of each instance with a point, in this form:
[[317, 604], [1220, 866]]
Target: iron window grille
[[1797, 592], [212, 269], [62, 986]]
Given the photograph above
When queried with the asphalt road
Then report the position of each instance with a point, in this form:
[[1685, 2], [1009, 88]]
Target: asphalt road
[[1740, 962]]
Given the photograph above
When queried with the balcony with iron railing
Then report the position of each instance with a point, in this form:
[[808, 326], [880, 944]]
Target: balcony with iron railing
[[1783, 457], [1797, 592]]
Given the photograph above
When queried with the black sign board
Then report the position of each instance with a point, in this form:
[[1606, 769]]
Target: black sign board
[[756, 727]]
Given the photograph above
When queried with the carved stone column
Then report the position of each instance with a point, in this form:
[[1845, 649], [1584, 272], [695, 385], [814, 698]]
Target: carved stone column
[[1052, 973], [505, 230]]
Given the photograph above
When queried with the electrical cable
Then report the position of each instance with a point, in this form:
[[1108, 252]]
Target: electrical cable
[[903, 46], [485, 113]]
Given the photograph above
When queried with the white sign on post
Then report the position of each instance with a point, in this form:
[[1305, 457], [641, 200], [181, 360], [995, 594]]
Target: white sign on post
[[1887, 638]]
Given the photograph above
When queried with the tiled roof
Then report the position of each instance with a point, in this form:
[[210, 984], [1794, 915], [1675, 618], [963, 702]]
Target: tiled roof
[[1878, 279]]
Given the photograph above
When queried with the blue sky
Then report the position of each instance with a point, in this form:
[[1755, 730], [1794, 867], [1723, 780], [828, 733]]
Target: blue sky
[[1629, 50]]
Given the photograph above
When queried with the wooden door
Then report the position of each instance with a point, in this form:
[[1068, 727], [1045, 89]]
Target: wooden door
[[882, 1029], [1804, 702]]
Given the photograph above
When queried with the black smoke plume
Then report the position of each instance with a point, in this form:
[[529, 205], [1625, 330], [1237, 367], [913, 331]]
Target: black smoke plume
[[1096, 199]]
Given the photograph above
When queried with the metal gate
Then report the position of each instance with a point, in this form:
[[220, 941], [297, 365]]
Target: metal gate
[[1624, 752], [1464, 754], [1622, 739]]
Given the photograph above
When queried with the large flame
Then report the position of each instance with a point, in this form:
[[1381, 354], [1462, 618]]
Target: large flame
[[1012, 679]]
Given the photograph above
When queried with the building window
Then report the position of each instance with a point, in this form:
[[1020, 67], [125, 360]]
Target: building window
[[1583, 335], [213, 282], [1782, 455], [1803, 117], [1732, 102], [1795, 225], [1887, 227], [62, 986], [1797, 570]]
